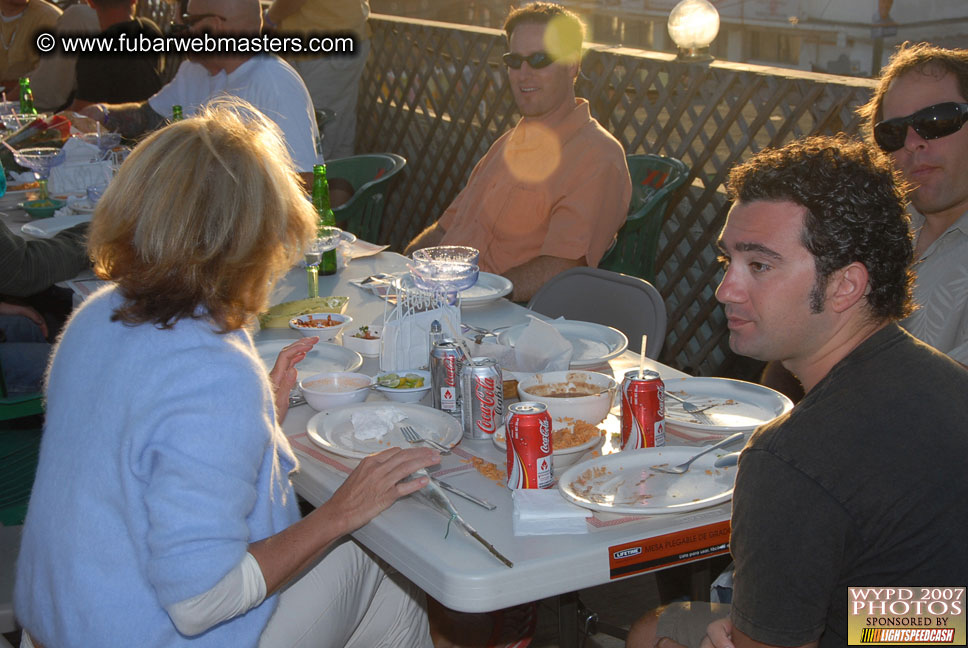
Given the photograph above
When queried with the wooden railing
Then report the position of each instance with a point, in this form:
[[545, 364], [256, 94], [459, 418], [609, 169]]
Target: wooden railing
[[437, 94]]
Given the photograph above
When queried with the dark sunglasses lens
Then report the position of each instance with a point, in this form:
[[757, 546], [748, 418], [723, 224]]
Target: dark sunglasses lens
[[889, 135], [539, 60], [513, 61], [938, 121]]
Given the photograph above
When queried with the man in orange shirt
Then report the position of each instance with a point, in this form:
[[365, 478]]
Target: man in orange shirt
[[550, 194]]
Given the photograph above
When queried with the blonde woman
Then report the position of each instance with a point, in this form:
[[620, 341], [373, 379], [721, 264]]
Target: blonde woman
[[163, 514]]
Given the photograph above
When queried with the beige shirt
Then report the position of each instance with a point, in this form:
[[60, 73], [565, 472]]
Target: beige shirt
[[941, 291], [539, 191], [330, 16], [17, 54]]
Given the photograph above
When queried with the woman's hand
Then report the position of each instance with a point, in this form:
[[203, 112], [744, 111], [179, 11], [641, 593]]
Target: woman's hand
[[24, 311], [283, 374], [377, 483], [369, 490]]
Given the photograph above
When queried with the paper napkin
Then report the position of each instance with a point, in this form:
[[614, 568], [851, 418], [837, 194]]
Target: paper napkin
[[543, 511]]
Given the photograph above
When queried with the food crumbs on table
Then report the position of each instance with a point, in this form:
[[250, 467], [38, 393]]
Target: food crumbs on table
[[709, 472], [489, 470]]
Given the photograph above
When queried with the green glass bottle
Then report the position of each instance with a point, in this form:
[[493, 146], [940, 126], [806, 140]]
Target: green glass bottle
[[26, 97], [325, 214], [176, 113]]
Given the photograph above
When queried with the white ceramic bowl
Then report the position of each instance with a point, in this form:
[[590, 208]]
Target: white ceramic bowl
[[325, 333], [411, 395], [593, 395], [332, 389], [363, 346]]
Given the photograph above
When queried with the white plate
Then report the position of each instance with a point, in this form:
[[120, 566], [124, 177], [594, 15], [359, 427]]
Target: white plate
[[489, 287], [323, 358], [743, 406], [333, 430], [625, 482], [48, 227], [593, 344]]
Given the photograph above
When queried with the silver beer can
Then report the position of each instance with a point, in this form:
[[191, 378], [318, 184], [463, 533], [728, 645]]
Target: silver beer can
[[482, 398], [445, 363]]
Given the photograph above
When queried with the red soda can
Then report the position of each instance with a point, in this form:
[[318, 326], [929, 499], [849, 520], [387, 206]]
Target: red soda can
[[643, 410], [481, 397], [528, 438]]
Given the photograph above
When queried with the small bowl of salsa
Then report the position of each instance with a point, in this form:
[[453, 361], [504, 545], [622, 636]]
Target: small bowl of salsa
[[325, 325]]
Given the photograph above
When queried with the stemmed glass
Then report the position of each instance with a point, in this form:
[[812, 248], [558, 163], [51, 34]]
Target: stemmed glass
[[327, 239], [40, 159]]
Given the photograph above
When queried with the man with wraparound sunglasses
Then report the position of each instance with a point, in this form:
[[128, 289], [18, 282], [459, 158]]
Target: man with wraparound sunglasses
[[917, 115], [550, 194]]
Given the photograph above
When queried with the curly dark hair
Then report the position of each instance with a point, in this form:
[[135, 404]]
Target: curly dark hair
[[923, 58], [855, 212], [541, 13]]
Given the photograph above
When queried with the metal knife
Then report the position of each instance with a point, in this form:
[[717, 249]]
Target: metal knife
[[465, 495]]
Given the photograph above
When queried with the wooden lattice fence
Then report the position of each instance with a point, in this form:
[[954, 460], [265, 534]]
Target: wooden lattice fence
[[437, 94]]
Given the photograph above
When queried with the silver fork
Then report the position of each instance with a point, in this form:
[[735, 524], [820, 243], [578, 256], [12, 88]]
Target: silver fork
[[696, 410], [684, 466], [412, 437]]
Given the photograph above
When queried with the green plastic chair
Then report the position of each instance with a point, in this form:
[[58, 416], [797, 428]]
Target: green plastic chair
[[19, 450], [655, 179], [370, 174]]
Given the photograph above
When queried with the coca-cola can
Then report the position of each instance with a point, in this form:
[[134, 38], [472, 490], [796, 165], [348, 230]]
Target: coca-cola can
[[528, 438], [481, 398], [643, 410], [445, 361]]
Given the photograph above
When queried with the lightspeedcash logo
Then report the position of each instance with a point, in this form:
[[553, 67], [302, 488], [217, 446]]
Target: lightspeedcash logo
[[906, 615]]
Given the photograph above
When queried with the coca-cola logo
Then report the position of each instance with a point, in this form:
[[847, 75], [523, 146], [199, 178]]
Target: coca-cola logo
[[484, 392], [545, 428], [450, 370]]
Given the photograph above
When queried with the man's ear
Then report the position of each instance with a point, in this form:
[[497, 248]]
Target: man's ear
[[847, 286]]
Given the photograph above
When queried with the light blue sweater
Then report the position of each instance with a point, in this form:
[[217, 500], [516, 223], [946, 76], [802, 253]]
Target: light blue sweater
[[161, 461]]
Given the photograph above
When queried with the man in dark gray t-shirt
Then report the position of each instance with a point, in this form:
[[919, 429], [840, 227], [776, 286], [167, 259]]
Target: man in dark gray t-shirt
[[861, 484]]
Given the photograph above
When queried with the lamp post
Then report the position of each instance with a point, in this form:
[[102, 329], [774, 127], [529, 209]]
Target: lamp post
[[693, 25]]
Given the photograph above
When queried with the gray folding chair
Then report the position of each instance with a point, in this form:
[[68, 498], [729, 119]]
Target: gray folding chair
[[630, 304]]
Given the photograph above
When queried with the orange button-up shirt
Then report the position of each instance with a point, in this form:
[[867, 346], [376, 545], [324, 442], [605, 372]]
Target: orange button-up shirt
[[559, 191]]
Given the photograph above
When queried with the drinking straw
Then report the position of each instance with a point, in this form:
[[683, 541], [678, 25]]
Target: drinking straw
[[642, 355]]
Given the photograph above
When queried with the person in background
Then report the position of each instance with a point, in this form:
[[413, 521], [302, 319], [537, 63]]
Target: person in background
[[333, 81], [267, 82], [30, 266], [550, 194], [838, 492], [20, 20], [182, 470], [53, 81], [917, 115], [122, 78], [23, 348]]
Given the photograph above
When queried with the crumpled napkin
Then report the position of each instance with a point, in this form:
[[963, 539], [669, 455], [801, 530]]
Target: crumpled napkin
[[375, 423], [79, 169], [540, 347], [543, 511]]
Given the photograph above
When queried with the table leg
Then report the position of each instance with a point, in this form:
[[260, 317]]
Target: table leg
[[568, 620]]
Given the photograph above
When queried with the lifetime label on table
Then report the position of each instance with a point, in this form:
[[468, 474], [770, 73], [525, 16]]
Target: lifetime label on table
[[662, 551]]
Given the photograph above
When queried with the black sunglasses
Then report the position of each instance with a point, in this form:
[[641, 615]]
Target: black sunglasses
[[939, 120], [190, 20], [537, 60]]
